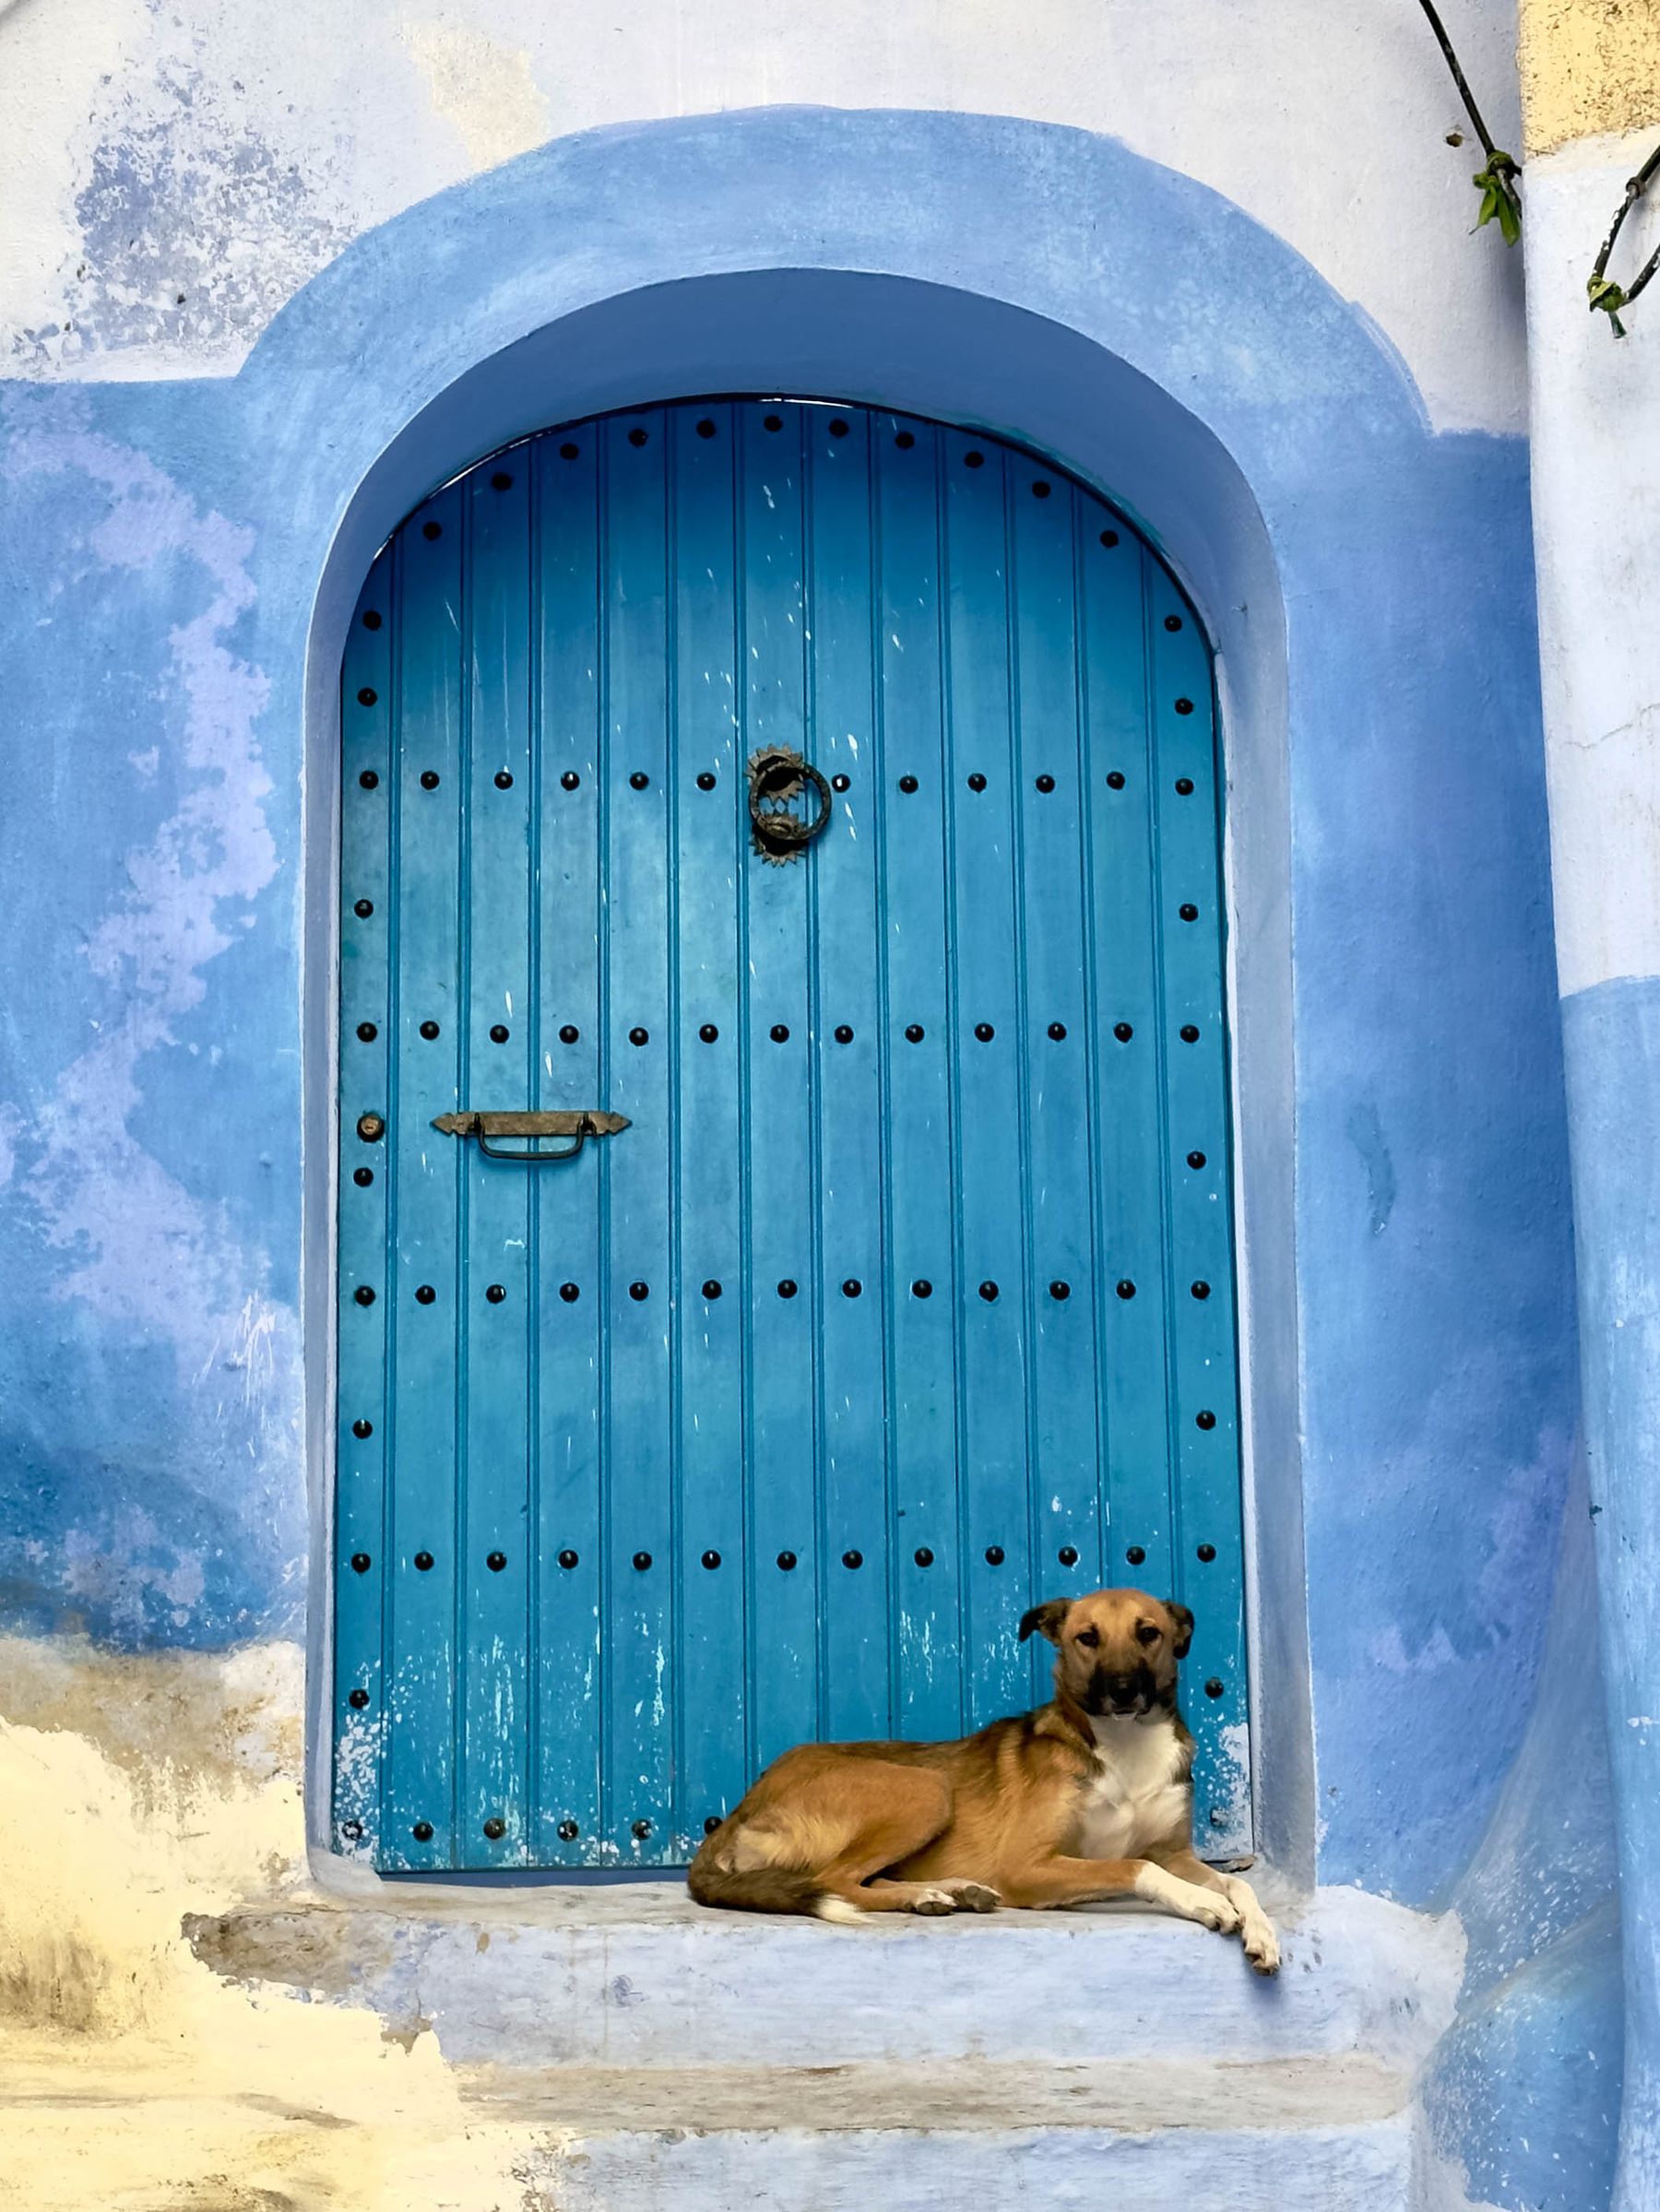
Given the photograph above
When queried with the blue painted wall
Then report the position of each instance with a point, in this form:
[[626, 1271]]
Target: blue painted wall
[[164, 546]]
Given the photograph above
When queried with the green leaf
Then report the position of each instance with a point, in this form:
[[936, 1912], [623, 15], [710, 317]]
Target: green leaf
[[1610, 298], [1499, 200]]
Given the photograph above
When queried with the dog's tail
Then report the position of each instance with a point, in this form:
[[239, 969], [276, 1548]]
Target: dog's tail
[[759, 1888]]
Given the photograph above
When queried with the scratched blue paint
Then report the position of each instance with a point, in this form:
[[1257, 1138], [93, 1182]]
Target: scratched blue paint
[[1433, 1356], [1007, 1179]]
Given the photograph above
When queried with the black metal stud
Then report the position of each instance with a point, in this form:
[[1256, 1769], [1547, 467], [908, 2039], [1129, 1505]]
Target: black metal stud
[[638, 436], [841, 783], [422, 1831], [706, 428], [640, 1831], [642, 1560], [984, 1030], [974, 459], [844, 1036], [1172, 622], [568, 452], [772, 423], [1184, 787], [568, 1831], [639, 780], [1184, 706], [786, 1289], [1136, 1555], [369, 779], [363, 908], [780, 1033], [1195, 1159], [503, 779], [1046, 782], [496, 1293], [1041, 489], [1204, 1419], [429, 1030], [711, 1822], [1109, 538], [838, 428], [1188, 1033], [569, 1034], [501, 481], [1060, 1291], [639, 1292], [1058, 1031], [364, 1294], [367, 1032], [1123, 1032], [914, 1032], [923, 1557], [1213, 1688], [425, 1294], [423, 1562], [787, 1560], [1208, 1552], [370, 1128], [360, 1563], [429, 779], [1115, 779], [495, 1829], [994, 1554], [498, 1033], [711, 1290], [851, 1287], [639, 1036], [371, 620], [569, 780], [1201, 1290], [569, 1293], [568, 1559], [1068, 1555], [496, 1562], [357, 1699], [711, 1560], [361, 1428], [705, 782], [432, 529], [921, 1288], [367, 696], [1189, 912], [853, 1560], [1126, 1289], [989, 1292], [976, 782], [708, 1033], [908, 783], [363, 1176], [904, 440]]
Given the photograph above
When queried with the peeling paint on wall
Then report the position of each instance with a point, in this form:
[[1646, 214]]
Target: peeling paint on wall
[[1590, 69], [487, 92]]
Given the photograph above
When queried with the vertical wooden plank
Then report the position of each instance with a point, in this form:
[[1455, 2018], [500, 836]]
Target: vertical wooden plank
[[708, 853], [364, 1407], [639, 1287], [498, 1046], [573, 1068], [1208, 1537], [850, 1049], [426, 1170], [1067, 1288], [777, 1163], [1126, 1044], [928, 1059], [991, 1107]]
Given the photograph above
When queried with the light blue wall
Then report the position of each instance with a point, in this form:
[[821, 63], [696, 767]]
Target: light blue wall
[[1369, 586]]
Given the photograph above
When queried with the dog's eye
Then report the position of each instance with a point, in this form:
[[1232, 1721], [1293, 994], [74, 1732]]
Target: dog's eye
[[1087, 1636], [1146, 1634]]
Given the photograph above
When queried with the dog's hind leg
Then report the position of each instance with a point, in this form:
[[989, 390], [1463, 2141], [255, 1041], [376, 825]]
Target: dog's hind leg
[[901, 1810]]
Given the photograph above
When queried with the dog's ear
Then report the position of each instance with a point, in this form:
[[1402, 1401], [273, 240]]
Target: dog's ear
[[1183, 1621], [1047, 1619]]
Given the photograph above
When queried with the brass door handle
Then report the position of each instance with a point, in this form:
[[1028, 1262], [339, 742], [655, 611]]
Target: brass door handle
[[577, 1122]]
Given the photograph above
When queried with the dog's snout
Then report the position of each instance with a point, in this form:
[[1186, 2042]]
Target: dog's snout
[[1117, 1691]]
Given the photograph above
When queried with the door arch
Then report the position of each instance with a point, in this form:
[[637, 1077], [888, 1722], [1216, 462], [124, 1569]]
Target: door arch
[[906, 1297]]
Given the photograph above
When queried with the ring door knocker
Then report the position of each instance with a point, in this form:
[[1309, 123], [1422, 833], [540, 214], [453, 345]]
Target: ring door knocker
[[577, 1124], [777, 778]]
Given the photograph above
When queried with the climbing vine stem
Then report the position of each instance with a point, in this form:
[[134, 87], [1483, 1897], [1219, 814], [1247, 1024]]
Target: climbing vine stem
[[1608, 296], [1496, 181]]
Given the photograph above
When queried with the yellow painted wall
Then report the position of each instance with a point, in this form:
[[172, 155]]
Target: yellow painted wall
[[1589, 68]]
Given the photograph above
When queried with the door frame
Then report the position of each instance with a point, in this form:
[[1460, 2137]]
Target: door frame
[[1064, 399]]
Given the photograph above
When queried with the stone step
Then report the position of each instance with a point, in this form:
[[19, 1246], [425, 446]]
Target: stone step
[[639, 1976], [1286, 2135]]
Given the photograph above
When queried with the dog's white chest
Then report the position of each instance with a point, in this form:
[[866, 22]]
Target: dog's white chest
[[1137, 1794]]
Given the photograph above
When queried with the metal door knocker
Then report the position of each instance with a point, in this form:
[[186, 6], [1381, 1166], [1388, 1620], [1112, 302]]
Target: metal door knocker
[[777, 778]]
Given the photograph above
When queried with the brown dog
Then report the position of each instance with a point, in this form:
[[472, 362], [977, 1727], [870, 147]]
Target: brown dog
[[1088, 1797]]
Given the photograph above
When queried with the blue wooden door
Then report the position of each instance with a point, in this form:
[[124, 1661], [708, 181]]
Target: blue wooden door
[[906, 1297]]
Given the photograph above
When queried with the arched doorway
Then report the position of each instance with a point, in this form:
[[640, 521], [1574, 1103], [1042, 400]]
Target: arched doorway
[[904, 1295]]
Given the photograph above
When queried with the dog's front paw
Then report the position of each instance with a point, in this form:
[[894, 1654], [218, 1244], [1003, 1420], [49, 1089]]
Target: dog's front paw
[[1216, 1912], [1262, 1947]]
